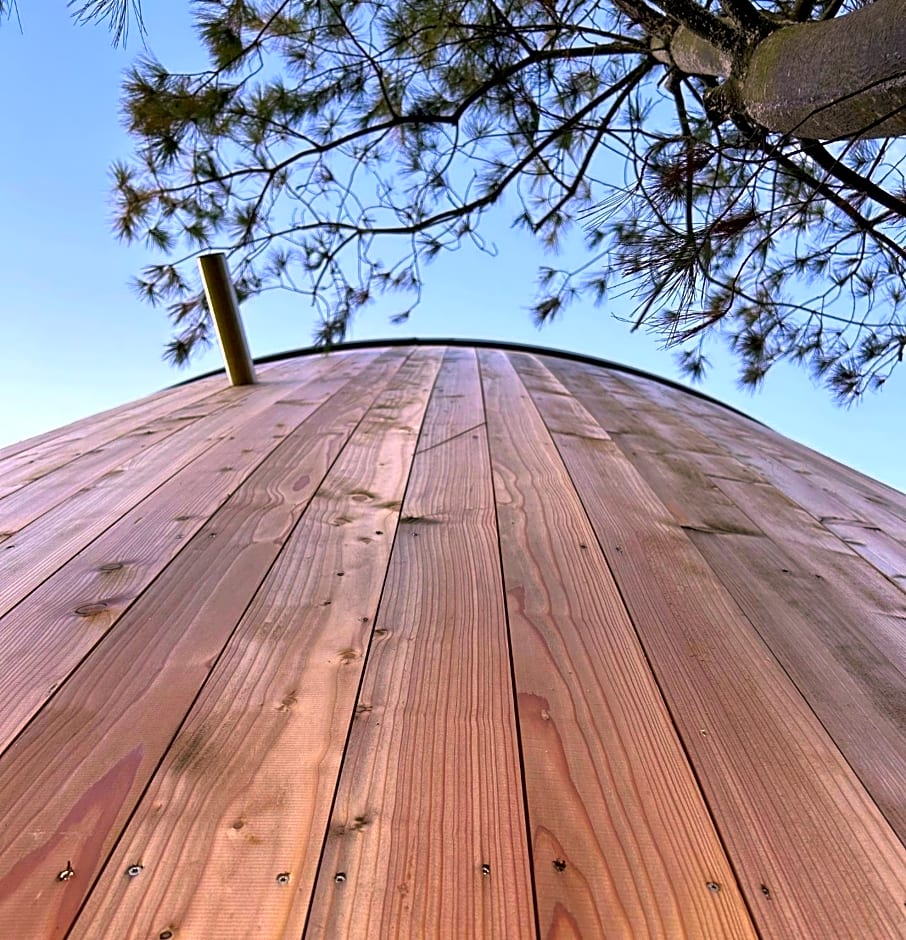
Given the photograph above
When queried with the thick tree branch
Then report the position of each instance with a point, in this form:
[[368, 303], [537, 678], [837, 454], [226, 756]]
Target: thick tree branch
[[803, 9], [749, 18], [696, 18], [851, 179]]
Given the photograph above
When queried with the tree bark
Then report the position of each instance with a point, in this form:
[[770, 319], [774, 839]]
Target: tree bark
[[843, 78]]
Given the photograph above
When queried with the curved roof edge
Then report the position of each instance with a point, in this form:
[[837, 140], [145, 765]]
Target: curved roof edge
[[482, 344]]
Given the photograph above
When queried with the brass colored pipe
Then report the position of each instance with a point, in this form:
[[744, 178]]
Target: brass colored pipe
[[218, 288]]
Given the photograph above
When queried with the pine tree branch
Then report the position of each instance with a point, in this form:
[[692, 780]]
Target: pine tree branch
[[649, 19], [803, 9], [605, 120], [831, 10], [696, 18], [750, 19], [824, 189], [851, 179]]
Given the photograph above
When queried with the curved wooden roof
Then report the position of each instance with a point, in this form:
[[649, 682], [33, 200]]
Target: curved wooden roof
[[446, 641]]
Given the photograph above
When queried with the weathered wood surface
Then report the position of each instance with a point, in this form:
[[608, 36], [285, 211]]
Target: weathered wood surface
[[437, 642], [845, 655]]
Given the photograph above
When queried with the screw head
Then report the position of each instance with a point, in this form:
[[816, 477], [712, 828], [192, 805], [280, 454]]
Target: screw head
[[67, 874], [133, 871], [339, 877], [713, 887], [560, 864], [283, 878], [486, 869], [166, 935]]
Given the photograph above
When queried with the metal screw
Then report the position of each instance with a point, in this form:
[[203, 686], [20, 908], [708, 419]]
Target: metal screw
[[559, 864], [166, 934], [283, 878], [339, 877], [67, 873], [713, 886], [486, 869], [134, 870]]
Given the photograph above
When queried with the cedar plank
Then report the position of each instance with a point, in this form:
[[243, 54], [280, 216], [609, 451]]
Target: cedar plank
[[878, 548], [244, 793], [33, 456], [849, 583], [437, 693], [66, 776], [43, 546], [815, 480], [792, 814], [32, 499], [857, 694], [609, 788], [32, 459], [840, 647], [45, 637]]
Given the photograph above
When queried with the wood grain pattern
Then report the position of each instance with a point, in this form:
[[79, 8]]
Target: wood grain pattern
[[51, 453], [32, 499], [39, 549], [46, 635], [820, 485], [431, 788], [767, 767], [345, 622], [825, 546], [115, 718], [824, 637], [229, 831], [610, 791], [54, 447], [32, 458]]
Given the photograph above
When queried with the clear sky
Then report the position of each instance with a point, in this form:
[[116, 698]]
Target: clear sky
[[76, 340]]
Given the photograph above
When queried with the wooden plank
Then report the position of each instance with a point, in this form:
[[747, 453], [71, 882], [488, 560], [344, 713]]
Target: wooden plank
[[854, 588], [65, 444], [437, 693], [42, 547], [879, 549], [610, 790], [843, 535], [816, 481], [31, 459], [622, 422], [230, 829], [28, 501], [858, 695], [70, 782], [821, 639], [836, 629], [76, 430], [814, 855], [49, 632]]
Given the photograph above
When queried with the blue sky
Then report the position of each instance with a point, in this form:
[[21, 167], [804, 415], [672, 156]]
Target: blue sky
[[76, 340]]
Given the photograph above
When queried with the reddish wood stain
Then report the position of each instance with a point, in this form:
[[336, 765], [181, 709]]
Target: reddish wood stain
[[448, 642]]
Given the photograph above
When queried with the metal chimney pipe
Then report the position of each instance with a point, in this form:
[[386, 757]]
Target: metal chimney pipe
[[218, 288]]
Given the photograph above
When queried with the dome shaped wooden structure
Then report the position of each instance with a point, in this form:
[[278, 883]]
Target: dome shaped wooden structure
[[444, 640]]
